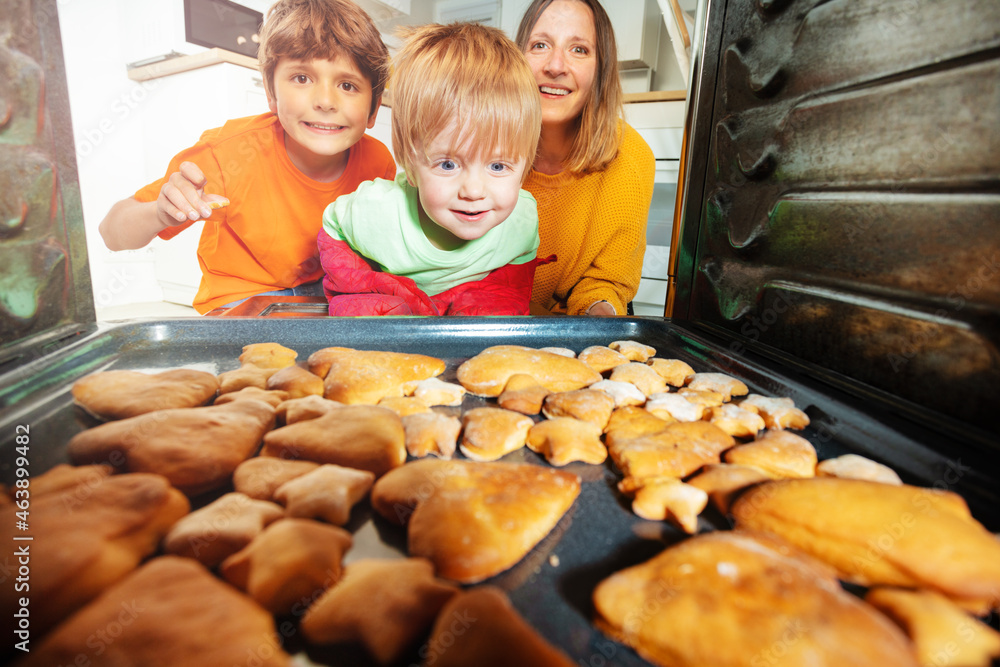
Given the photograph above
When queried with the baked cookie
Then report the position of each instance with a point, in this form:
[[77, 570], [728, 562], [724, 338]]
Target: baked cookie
[[431, 434], [491, 433], [433, 391], [64, 478], [296, 381], [365, 376], [404, 405], [724, 482], [674, 407], [589, 405], [623, 393], [112, 395], [289, 564], [674, 450], [777, 413], [272, 398], [173, 612], [674, 372], [736, 421], [328, 493], [602, 358], [474, 520], [942, 633], [261, 476], [384, 605], [196, 449], [365, 437], [268, 355], [308, 407], [487, 373], [562, 440], [642, 376], [723, 598], [933, 541], [853, 466], [216, 531], [669, 499], [563, 351], [523, 394], [85, 542], [501, 640], [633, 350], [724, 384], [247, 375], [702, 397], [780, 454]]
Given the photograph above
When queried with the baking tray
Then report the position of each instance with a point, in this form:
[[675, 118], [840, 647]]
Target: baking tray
[[551, 586]]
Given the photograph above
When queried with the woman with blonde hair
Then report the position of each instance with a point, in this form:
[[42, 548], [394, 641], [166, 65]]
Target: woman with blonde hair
[[593, 174]]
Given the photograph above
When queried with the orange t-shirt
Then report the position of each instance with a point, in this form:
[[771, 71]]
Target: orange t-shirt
[[266, 238]]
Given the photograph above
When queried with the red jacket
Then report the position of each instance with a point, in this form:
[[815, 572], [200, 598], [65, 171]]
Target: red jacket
[[353, 287]]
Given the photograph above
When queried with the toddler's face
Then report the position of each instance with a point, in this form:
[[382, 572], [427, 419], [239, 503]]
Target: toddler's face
[[323, 106], [465, 192]]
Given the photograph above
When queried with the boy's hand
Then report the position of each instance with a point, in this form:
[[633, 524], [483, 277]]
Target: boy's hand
[[183, 197]]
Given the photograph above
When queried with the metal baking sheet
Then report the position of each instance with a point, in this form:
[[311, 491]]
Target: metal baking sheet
[[551, 586]]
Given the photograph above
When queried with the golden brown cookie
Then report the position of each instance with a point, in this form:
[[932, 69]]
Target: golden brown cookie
[[674, 407], [879, 534], [589, 405], [308, 407], [433, 391], [670, 499], [724, 482], [502, 639], [777, 413], [523, 394], [623, 393], [384, 605], [703, 397], [726, 598], [272, 398], [404, 405], [365, 376], [171, 611], [562, 440], [216, 531], [296, 381], [642, 376], [327, 493], [853, 466], [674, 450], [778, 453], [474, 520], [601, 358], [431, 434], [261, 476], [487, 373], [64, 478], [121, 394], [268, 355], [633, 350], [724, 384], [197, 449], [674, 372], [365, 437], [289, 564], [942, 633], [245, 376], [736, 421], [82, 543], [490, 433]]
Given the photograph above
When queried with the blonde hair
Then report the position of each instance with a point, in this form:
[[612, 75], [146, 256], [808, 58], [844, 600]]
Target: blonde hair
[[468, 74], [598, 134], [309, 29]]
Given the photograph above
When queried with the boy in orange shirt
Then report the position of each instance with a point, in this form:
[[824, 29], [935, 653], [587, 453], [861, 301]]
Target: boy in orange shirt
[[261, 183]]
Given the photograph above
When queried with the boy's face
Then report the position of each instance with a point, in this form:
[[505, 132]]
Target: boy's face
[[323, 106], [466, 193]]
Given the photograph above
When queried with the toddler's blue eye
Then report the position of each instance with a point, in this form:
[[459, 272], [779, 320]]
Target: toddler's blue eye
[[497, 167], [447, 165]]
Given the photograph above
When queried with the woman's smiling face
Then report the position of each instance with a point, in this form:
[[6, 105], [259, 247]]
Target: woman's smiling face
[[562, 52]]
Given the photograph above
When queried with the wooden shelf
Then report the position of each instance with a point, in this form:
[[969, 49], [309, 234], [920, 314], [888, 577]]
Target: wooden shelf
[[187, 63], [656, 96]]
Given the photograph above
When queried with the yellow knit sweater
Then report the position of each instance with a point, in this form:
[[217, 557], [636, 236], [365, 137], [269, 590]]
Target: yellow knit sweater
[[596, 225]]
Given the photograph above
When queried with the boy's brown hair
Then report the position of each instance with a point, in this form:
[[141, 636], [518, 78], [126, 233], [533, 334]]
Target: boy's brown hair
[[471, 75], [309, 29]]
